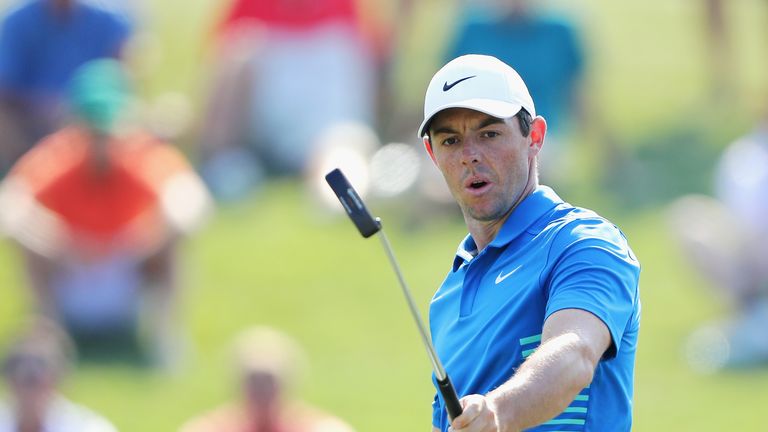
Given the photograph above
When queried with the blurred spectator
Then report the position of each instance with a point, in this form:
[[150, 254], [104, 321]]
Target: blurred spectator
[[42, 43], [719, 48], [286, 70], [97, 208], [544, 51], [726, 238], [268, 364], [33, 368]]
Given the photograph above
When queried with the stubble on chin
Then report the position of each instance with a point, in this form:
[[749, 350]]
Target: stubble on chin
[[489, 215]]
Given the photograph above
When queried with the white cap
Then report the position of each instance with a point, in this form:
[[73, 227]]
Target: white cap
[[479, 82]]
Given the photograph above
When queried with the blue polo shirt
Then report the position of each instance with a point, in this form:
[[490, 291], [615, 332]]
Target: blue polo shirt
[[488, 315], [39, 51]]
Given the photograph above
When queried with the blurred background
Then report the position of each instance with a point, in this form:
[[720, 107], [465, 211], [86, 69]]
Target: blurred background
[[657, 110]]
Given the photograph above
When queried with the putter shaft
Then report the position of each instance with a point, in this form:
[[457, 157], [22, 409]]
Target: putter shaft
[[436, 365], [368, 226]]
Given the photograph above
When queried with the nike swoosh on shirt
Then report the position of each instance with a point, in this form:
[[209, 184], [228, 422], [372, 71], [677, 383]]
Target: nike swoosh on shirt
[[447, 86], [500, 278]]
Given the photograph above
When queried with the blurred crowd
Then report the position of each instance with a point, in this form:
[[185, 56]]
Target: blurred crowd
[[725, 238], [98, 198]]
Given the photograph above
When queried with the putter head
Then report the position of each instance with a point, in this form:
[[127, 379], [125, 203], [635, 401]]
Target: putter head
[[352, 203]]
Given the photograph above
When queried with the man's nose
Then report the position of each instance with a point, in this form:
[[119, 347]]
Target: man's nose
[[470, 153]]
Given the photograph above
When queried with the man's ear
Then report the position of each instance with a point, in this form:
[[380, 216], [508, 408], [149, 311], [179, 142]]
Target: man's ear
[[538, 131], [428, 147]]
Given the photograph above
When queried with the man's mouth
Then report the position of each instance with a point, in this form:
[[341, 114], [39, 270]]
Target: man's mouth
[[477, 184]]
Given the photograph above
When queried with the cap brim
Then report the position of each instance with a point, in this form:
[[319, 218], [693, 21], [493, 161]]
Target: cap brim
[[494, 108]]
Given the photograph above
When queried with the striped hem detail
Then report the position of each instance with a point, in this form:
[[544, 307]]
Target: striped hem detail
[[530, 339], [579, 422]]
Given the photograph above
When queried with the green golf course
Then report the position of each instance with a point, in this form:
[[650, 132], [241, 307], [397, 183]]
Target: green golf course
[[280, 260]]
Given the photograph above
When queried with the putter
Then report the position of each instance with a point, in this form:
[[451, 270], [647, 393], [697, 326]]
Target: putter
[[369, 226]]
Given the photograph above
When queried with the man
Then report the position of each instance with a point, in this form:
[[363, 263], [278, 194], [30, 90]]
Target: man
[[98, 208], [33, 367], [42, 43], [267, 364], [537, 320], [261, 86], [545, 51], [725, 238], [547, 54]]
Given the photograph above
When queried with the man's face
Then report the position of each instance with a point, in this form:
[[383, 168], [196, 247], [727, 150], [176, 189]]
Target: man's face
[[62, 5], [506, 8], [486, 161], [262, 390], [32, 383]]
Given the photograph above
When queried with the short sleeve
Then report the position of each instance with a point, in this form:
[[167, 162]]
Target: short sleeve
[[437, 412], [594, 270]]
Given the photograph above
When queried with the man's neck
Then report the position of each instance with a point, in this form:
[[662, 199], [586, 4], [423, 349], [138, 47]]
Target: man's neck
[[483, 232], [62, 9], [30, 423]]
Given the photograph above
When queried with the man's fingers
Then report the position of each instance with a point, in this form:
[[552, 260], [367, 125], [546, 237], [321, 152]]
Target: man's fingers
[[473, 406], [477, 416]]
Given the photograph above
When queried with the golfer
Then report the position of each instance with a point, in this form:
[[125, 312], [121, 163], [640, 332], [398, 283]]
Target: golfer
[[537, 319]]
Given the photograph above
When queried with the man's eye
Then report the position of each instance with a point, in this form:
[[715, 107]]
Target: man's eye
[[490, 134], [450, 141]]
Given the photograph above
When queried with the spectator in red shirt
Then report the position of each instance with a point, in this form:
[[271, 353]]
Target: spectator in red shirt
[[97, 209], [278, 61]]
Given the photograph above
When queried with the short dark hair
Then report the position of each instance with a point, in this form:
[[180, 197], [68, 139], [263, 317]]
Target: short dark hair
[[524, 118]]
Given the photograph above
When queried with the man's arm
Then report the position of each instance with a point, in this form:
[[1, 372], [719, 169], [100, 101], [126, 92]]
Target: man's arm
[[573, 341]]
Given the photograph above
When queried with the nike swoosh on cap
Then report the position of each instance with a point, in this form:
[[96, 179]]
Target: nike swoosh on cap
[[447, 86]]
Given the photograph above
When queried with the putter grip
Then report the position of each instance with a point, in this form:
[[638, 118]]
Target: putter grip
[[352, 203], [450, 397]]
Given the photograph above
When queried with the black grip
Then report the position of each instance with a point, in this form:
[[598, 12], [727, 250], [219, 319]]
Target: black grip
[[352, 203], [450, 397]]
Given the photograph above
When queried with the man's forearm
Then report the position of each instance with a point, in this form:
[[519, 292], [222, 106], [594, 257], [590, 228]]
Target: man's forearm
[[544, 385]]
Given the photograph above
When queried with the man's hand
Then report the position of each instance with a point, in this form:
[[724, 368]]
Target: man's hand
[[478, 416], [573, 341]]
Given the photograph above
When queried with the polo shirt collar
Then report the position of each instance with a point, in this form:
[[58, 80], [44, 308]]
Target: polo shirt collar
[[534, 206]]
